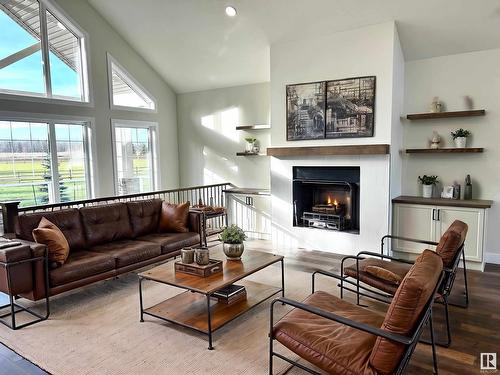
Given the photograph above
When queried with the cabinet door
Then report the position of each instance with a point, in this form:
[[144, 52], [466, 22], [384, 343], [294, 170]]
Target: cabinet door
[[474, 218], [413, 221]]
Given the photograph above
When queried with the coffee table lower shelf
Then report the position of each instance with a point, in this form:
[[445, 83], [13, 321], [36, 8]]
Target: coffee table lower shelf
[[189, 309]]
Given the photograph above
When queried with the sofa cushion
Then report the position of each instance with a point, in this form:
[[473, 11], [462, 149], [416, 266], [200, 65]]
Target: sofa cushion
[[128, 251], [144, 216], [79, 265], [49, 234], [68, 221], [332, 346], [406, 308], [106, 223], [174, 217], [398, 268], [170, 242], [450, 242]]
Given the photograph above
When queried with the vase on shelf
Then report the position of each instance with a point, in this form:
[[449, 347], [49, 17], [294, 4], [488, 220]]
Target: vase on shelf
[[427, 191], [461, 142]]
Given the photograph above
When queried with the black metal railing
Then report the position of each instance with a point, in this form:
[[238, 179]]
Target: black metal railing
[[212, 195]]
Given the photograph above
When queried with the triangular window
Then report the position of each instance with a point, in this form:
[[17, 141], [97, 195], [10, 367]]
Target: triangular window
[[125, 90]]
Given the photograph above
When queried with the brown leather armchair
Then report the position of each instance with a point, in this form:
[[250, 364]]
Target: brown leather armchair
[[343, 338], [450, 248]]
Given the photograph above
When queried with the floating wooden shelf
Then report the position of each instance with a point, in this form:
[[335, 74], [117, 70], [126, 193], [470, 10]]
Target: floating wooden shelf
[[444, 150], [253, 127], [436, 115], [249, 154], [381, 149], [472, 203]]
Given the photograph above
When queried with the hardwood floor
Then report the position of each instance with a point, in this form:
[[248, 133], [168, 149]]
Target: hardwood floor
[[474, 330]]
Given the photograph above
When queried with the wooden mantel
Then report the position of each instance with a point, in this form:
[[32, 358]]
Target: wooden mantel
[[329, 150]]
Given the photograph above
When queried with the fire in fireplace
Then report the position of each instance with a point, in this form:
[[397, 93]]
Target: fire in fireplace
[[326, 198]]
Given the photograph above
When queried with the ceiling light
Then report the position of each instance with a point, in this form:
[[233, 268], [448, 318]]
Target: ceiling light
[[231, 11]]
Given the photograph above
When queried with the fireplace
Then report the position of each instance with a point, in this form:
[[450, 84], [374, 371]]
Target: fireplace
[[326, 198]]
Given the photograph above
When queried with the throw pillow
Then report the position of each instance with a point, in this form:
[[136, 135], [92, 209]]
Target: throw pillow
[[49, 234], [384, 274], [174, 217]]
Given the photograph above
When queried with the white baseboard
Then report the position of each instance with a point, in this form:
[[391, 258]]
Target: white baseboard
[[492, 258]]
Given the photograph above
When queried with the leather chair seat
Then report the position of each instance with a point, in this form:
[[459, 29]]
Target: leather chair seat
[[331, 346], [79, 265], [128, 251], [400, 269], [170, 242]]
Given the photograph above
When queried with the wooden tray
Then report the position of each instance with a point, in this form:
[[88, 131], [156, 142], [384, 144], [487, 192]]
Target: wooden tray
[[215, 266]]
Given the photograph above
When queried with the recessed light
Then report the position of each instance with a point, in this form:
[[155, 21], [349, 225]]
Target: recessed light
[[231, 11]]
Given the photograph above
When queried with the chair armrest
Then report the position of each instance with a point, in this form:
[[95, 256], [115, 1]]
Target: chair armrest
[[425, 242], [349, 322], [326, 273], [369, 253], [14, 254]]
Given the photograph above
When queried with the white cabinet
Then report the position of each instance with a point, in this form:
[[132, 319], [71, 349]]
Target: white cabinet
[[429, 222]]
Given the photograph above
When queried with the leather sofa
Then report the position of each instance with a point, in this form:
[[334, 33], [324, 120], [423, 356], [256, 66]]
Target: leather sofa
[[105, 241]]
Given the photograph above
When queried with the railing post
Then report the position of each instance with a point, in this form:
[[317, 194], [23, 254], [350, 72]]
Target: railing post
[[10, 211]]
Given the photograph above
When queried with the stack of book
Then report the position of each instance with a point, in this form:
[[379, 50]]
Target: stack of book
[[231, 294]]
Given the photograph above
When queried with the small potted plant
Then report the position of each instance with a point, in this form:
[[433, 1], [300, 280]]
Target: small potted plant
[[460, 137], [428, 183], [232, 238], [250, 144]]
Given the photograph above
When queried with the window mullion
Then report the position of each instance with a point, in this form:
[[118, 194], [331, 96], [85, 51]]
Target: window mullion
[[54, 167], [44, 40], [88, 163]]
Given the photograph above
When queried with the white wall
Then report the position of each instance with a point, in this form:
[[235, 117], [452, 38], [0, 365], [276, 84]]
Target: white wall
[[102, 39], [367, 51], [451, 77], [208, 140]]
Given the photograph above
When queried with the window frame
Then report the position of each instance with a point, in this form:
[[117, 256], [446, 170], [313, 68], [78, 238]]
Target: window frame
[[129, 80], [153, 140], [87, 99], [51, 121]]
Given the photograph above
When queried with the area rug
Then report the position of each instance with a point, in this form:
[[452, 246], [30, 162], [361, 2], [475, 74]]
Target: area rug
[[96, 330]]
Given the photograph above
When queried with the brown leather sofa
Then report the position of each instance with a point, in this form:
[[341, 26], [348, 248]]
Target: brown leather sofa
[[105, 241]]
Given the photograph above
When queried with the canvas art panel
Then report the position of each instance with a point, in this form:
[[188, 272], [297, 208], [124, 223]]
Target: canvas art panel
[[305, 111], [350, 107]]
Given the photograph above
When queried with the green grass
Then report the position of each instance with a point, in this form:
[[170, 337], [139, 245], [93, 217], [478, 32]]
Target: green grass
[[27, 182]]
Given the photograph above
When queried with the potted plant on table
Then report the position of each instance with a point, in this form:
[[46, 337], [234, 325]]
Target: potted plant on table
[[460, 137], [428, 183], [232, 238], [251, 145]]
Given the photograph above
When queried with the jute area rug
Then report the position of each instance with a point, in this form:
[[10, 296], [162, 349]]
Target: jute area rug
[[96, 330]]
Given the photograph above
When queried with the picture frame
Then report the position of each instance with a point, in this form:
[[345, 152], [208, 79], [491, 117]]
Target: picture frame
[[350, 107], [305, 111], [342, 108]]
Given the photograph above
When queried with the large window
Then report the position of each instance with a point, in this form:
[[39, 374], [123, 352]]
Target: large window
[[42, 53], [134, 146], [125, 91], [44, 162]]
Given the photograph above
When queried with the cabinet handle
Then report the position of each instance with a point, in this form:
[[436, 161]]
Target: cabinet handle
[[439, 214], [433, 214]]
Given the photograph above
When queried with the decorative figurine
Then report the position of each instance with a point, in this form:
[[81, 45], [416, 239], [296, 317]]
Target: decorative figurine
[[456, 190], [436, 139], [468, 188], [436, 105]]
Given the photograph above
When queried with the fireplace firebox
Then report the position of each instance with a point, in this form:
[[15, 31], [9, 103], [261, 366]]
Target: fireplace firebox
[[326, 198]]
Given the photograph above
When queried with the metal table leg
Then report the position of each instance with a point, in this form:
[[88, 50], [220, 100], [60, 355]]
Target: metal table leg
[[209, 317], [140, 299], [282, 277]]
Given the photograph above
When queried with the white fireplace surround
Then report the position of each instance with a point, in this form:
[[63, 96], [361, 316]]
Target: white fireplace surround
[[374, 205]]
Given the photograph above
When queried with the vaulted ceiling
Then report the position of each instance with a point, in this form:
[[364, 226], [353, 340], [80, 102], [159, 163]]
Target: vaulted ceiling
[[195, 46]]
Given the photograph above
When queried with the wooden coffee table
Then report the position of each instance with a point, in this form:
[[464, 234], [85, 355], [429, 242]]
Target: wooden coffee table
[[196, 308]]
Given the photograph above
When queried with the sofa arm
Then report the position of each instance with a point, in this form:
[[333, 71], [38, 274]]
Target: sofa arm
[[16, 270], [39, 270]]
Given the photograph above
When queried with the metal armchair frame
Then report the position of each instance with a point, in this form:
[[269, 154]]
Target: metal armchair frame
[[371, 292], [409, 341], [15, 307]]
